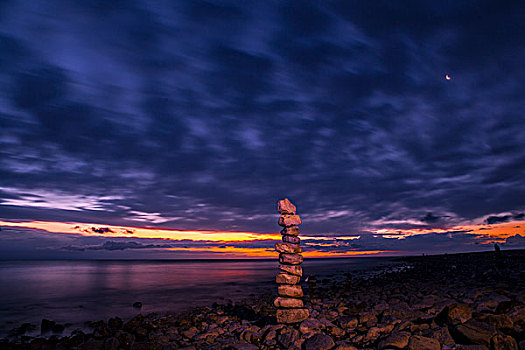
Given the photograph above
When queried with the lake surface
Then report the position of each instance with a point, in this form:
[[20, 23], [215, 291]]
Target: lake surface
[[75, 291]]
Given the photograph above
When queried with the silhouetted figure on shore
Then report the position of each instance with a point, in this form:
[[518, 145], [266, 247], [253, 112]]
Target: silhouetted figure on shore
[[498, 257]]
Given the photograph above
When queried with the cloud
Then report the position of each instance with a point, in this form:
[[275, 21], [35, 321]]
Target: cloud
[[201, 115], [113, 245], [515, 241]]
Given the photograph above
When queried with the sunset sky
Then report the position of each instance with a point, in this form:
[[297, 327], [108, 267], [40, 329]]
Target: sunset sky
[[135, 130]]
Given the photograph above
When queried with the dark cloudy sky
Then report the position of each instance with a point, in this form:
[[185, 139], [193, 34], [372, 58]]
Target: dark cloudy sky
[[200, 115]]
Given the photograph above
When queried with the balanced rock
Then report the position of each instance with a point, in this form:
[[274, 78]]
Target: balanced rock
[[292, 315], [291, 239], [288, 302], [284, 206], [289, 220], [284, 278], [288, 248], [290, 259], [288, 290], [292, 269], [290, 231]]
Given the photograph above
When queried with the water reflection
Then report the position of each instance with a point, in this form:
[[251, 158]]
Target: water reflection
[[76, 291]]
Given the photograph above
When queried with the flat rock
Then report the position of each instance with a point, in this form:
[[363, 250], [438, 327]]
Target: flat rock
[[474, 332], [289, 220], [284, 278], [291, 239], [290, 259], [319, 342], [291, 315], [418, 342], [284, 206], [284, 247], [287, 290], [281, 302], [455, 314], [292, 269], [290, 231], [395, 341]]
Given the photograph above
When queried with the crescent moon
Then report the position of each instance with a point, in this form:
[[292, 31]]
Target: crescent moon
[[447, 77]]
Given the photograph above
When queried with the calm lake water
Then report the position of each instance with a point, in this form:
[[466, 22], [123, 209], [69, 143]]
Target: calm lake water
[[79, 291]]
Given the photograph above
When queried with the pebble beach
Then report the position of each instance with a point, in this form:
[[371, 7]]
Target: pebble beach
[[457, 301]]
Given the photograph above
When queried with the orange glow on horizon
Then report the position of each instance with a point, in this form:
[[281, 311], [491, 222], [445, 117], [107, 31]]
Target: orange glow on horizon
[[219, 240]]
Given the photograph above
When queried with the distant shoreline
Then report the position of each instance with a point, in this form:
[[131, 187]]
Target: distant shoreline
[[388, 257]]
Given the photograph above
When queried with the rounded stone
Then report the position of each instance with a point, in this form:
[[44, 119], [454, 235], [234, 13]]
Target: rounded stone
[[290, 290], [283, 247], [290, 259], [292, 315], [284, 206], [281, 302], [284, 278], [289, 220]]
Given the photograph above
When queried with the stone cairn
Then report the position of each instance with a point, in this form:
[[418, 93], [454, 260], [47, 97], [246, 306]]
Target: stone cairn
[[290, 306]]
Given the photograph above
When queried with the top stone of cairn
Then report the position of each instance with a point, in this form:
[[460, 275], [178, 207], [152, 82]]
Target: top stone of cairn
[[284, 206]]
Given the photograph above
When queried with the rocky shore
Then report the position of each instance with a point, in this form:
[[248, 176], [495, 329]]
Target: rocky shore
[[458, 301]]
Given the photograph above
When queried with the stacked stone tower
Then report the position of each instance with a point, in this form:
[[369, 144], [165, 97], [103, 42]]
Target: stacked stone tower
[[290, 306]]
